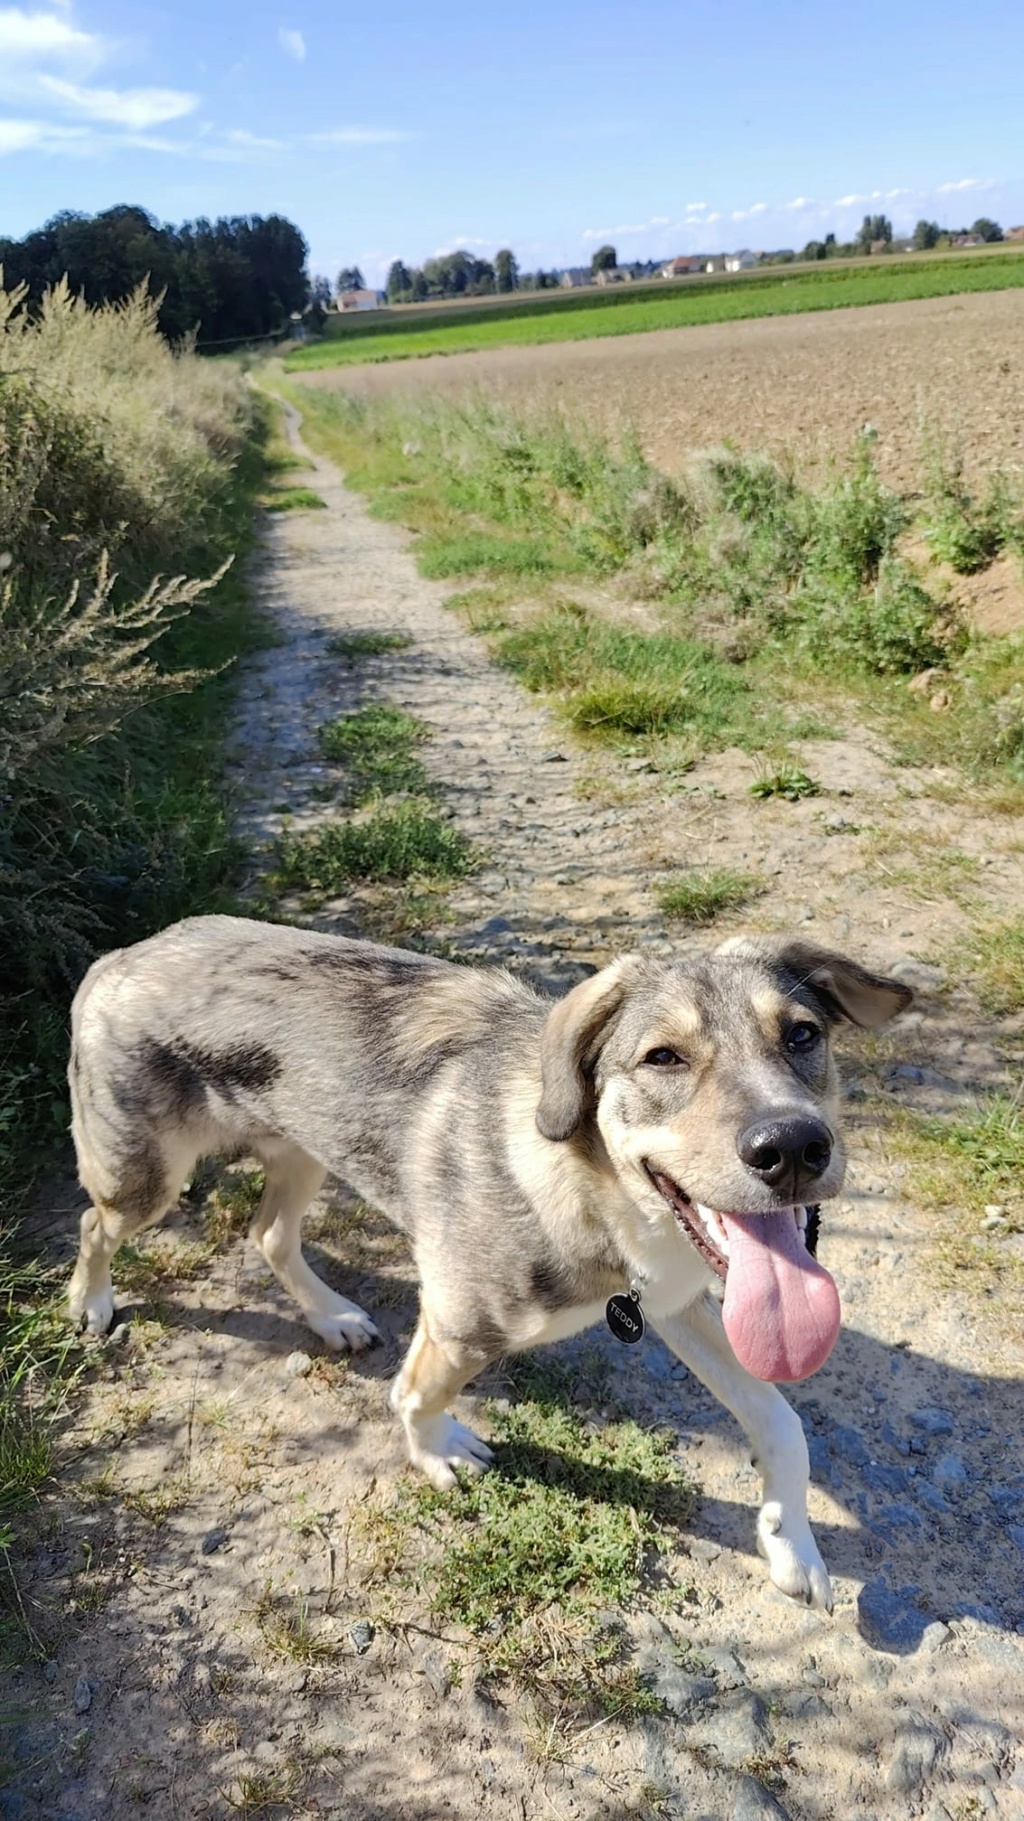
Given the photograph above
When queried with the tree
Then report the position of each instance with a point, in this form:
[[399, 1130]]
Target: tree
[[399, 282], [321, 298], [604, 260], [350, 278], [986, 229], [925, 235], [420, 287], [815, 249], [506, 270], [872, 229]]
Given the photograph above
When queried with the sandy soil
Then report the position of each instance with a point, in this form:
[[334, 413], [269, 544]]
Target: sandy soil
[[211, 1478], [806, 383]]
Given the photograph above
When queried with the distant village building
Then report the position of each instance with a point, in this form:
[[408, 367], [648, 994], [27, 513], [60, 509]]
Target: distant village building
[[740, 262], [1014, 234], [686, 266], [613, 275], [358, 300], [716, 263], [574, 276]]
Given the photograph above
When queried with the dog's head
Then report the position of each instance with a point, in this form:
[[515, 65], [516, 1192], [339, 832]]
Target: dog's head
[[715, 1092]]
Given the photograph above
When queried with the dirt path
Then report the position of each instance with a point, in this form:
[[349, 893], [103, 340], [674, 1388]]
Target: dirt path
[[207, 1593]]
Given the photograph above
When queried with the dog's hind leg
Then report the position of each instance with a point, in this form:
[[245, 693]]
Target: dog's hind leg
[[775, 1431], [128, 1196], [292, 1180], [432, 1375]]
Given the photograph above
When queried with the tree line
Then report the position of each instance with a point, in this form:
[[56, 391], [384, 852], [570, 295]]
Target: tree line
[[875, 234], [235, 279]]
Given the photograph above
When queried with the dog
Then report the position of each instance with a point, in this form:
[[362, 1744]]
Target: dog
[[651, 1147]]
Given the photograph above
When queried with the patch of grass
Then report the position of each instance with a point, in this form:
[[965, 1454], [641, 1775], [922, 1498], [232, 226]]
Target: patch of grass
[[356, 645], [406, 334], [289, 1629], [377, 746], [612, 683], [700, 897], [489, 553], [786, 781], [257, 1794], [407, 840], [569, 1523], [961, 1165], [294, 499], [149, 1266], [994, 958]]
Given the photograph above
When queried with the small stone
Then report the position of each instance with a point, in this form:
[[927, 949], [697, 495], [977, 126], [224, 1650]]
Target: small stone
[[940, 700], [297, 1365], [995, 1208], [917, 1749], [82, 1696], [703, 1548], [50, 1671], [553, 758], [888, 1617], [729, 1671], [932, 1421], [994, 1223], [638, 765], [935, 1635], [753, 1802], [361, 1636], [738, 1727], [803, 1704], [266, 1750], [214, 1540], [949, 1471], [848, 1445]]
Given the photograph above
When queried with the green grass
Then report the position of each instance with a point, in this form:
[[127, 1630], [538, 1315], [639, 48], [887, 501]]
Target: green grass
[[530, 1556], [396, 842], [377, 745], [994, 961], [960, 1166], [294, 499], [700, 897], [785, 781], [585, 315], [356, 645]]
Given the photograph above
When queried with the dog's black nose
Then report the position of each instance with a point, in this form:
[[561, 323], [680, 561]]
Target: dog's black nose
[[787, 1154]]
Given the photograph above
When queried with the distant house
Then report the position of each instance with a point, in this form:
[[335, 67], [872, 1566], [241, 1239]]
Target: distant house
[[1014, 234], [686, 266], [716, 263], [740, 262], [613, 275], [358, 300], [965, 240], [574, 276]]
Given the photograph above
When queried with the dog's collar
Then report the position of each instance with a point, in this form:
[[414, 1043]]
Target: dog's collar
[[625, 1317]]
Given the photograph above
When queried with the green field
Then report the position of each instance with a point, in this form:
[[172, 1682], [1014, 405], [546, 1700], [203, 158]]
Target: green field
[[575, 316]]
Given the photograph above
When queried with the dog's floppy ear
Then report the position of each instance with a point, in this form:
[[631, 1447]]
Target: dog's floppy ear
[[846, 989], [570, 1044]]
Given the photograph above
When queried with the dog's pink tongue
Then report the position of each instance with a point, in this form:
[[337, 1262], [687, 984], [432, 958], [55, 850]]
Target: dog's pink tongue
[[781, 1309]]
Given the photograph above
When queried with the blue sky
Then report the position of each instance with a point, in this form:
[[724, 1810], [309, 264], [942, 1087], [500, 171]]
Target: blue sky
[[549, 125]]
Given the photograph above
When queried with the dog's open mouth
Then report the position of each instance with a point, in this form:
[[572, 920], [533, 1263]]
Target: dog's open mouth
[[781, 1308]]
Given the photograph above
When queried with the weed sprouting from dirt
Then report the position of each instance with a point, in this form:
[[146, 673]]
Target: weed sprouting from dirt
[[377, 746], [396, 842], [530, 1556], [370, 644], [963, 1165], [700, 897], [994, 958], [786, 781], [294, 499]]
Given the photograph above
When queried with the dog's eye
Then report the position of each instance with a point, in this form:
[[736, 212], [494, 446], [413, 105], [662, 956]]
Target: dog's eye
[[663, 1059], [802, 1036]]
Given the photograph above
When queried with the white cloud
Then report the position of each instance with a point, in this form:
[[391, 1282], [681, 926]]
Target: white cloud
[[133, 108], [18, 135], [246, 141], [965, 183], [357, 135], [692, 207], [800, 202], [33, 35], [292, 42]]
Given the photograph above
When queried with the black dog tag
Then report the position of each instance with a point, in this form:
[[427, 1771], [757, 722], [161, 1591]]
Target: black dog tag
[[625, 1318]]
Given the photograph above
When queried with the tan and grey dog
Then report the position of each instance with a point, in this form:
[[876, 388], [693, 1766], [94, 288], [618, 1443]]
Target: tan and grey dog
[[658, 1132]]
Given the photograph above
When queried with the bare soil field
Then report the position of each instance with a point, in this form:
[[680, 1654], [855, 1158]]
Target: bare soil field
[[804, 383]]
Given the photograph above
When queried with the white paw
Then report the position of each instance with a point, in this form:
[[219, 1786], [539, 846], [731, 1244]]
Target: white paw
[[439, 1446], [794, 1564], [95, 1313], [346, 1328]]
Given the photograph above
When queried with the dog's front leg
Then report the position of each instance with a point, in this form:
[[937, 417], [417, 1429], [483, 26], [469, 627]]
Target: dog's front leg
[[776, 1434]]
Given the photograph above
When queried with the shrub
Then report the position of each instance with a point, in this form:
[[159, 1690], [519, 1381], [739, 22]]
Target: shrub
[[397, 842]]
